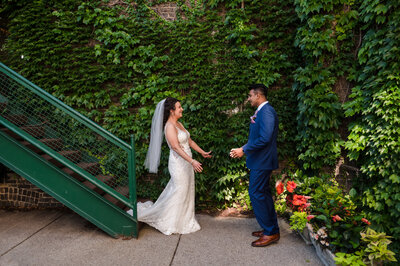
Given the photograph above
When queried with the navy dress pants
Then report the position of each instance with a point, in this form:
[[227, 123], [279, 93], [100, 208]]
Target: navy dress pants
[[261, 199]]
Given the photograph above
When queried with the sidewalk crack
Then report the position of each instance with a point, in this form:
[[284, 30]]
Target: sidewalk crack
[[176, 248], [31, 235]]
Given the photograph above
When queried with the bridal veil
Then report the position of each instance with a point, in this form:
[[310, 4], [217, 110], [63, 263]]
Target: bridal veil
[[156, 137]]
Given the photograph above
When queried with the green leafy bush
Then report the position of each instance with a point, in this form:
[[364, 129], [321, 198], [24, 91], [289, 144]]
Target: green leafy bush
[[335, 219], [298, 221], [376, 251], [350, 259]]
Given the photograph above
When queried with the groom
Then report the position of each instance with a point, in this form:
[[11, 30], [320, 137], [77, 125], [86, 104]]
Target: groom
[[262, 158]]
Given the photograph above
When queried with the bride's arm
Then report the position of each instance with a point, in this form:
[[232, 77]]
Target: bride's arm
[[197, 148], [172, 136]]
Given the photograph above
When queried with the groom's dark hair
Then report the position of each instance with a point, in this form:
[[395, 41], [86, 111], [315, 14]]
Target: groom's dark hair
[[260, 88]]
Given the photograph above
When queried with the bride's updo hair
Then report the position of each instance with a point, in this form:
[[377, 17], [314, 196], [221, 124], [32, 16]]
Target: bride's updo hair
[[169, 105]]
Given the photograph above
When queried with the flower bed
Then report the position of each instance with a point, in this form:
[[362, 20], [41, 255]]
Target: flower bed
[[336, 225]]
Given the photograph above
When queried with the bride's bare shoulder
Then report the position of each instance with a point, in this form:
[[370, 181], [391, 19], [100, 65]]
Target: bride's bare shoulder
[[170, 127]]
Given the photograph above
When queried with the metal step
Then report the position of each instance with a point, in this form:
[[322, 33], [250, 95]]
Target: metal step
[[18, 120], [11, 134], [55, 144], [36, 131], [3, 106], [31, 147], [124, 191], [105, 179], [74, 156]]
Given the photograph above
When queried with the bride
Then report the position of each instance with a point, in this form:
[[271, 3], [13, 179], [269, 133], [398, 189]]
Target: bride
[[173, 212]]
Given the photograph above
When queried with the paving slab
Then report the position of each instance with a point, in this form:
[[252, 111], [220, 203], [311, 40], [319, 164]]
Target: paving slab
[[64, 238], [16, 227], [71, 240], [227, 241]]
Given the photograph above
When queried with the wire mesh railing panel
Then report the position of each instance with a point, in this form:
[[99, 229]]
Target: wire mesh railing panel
[[66, 135]]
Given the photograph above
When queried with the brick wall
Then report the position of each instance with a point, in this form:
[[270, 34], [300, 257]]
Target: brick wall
[[17, 193], [166, 10]]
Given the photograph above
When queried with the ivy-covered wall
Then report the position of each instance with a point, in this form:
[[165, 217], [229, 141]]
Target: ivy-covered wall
[[352, 45], [326, 39], [374, 140], [332, 68], [114, 60]]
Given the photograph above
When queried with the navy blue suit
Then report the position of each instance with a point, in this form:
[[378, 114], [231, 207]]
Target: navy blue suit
[[262, 158]]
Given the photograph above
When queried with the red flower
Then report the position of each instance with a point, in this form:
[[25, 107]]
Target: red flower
[[309, 217], [299, 200], [336, 218], [290, 186], [279, 188], [365, 221]]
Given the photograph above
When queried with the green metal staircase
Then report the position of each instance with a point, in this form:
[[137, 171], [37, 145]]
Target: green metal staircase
[[67, 155]]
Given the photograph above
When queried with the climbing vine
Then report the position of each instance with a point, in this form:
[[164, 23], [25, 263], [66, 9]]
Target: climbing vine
[[374, 140], [114, 62], [325, 37]]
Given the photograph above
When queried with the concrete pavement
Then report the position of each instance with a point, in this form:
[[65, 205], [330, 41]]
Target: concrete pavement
[[61, 237]]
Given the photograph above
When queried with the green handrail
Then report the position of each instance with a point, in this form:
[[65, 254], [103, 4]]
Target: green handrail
[[132, 176], [59, 104], [131, 202], [64, 161]]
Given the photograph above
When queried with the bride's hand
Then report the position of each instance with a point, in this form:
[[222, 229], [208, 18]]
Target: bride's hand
[[206, 154], [197, 166]]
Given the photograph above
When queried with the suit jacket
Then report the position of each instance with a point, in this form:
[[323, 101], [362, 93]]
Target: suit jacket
[[260, 149]]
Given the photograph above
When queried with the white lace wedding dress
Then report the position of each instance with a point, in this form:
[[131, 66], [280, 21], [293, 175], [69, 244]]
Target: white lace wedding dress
[[173, 212]]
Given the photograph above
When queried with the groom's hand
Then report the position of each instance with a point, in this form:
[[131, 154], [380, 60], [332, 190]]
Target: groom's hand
[[236, 153]]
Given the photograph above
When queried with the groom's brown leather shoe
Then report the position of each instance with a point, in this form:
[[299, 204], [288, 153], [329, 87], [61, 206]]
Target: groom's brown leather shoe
[[258, 233], [266, 240]]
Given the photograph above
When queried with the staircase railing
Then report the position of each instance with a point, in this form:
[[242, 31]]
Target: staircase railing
[[68, 136]]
